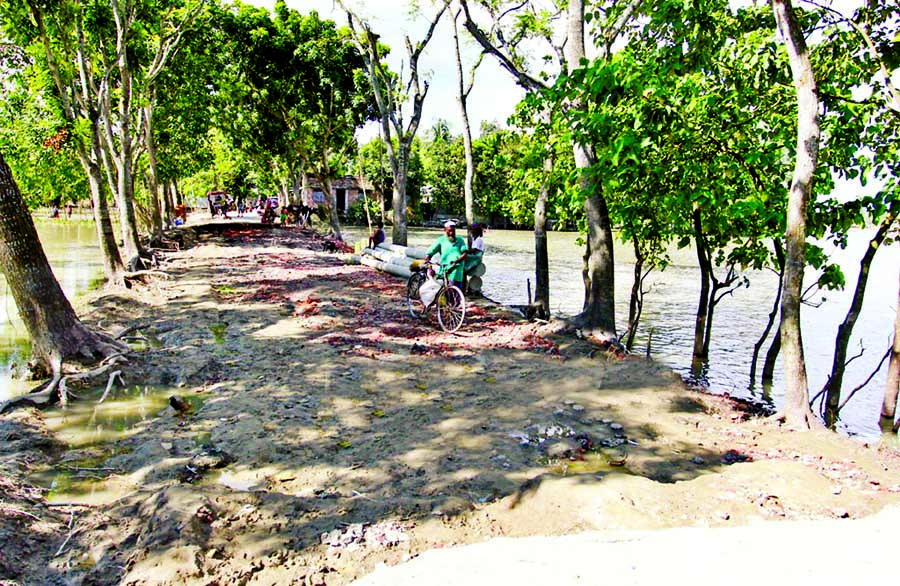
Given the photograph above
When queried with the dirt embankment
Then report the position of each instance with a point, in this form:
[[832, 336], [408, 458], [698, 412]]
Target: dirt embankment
[[328, 432]]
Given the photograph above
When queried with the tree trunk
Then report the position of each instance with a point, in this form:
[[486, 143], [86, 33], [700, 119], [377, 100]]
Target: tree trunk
[[599, 314], [636, 301], [56, 332], [768, 372], [541, 253], [179, 198], [125, 167], [331, 205], [461, 98], [889, 407], [779, 256], [305, 198], [398, 205], [845, 330], [124, 157], [112, 260], [703, 261], [796, 412], [296, 186], [168, 205], [153, 177]]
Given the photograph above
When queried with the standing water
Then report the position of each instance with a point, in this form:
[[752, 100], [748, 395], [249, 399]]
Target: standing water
[[71, 246], [671, 304]]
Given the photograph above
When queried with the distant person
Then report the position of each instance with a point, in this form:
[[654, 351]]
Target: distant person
[[54, 211], [452, 249], [69, 207], [377, 237], [476, 252], [180, 214]]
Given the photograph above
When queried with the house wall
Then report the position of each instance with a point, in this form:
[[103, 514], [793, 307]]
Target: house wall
[[314, 196]]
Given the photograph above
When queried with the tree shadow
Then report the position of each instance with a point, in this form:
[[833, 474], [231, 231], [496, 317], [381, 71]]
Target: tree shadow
[[339, 408]]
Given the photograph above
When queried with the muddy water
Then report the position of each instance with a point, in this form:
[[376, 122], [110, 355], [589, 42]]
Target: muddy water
[[90, 429], [671, 304]]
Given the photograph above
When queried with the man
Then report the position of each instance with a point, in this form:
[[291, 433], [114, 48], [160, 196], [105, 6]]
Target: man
[[377, 236], [452, 250]]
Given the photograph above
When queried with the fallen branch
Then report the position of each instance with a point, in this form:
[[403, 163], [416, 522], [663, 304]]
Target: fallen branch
[[135, 327], [135, 275], [83, 469], [19, 512], [68, 537]]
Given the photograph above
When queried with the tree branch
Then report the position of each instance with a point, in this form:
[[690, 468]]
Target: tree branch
[[526, 81], [868, 380]]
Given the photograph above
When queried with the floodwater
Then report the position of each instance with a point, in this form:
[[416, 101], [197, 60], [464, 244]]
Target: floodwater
[[669, 310], [73, 251]]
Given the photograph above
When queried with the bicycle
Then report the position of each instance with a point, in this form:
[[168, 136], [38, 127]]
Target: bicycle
[[449, 300]]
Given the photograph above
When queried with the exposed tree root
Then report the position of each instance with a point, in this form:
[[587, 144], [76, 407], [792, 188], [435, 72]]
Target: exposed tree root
[[56, 391], [143, 278], [807, 422], [138, 326]]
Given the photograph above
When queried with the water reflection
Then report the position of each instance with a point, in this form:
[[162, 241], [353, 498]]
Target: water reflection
[[87, 423]]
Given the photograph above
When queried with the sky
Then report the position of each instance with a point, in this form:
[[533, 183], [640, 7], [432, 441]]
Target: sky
[[494, 95]]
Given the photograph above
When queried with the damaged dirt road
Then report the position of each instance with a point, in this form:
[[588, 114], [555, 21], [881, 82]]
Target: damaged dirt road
[[318, 432]]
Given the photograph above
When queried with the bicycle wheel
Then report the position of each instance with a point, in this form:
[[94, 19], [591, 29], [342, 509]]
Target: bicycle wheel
[[451, 308], [413, 302]]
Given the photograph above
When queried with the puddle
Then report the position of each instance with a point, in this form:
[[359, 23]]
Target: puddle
[[593, 463], [91, 431], [86, 423]]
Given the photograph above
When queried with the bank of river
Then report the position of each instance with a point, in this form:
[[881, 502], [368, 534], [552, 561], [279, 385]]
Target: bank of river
[[670, 309], [669, 312]]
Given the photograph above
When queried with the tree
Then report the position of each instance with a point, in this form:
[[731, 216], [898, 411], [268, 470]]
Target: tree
[[296, 92], [598, 314], [59, 45], [462, 97], [860, 142], [390, 96], [56, 332], [49, 174], [796, 412], [685, 133], [444, 168], [376, 169], [892, 385]]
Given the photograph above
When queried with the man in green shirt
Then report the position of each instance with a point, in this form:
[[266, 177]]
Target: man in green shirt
[[452, 249]]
